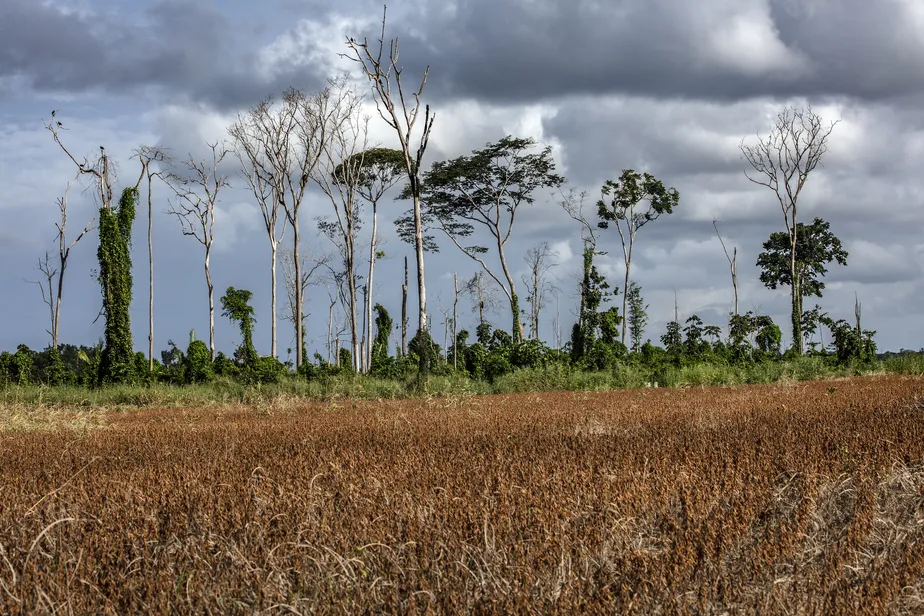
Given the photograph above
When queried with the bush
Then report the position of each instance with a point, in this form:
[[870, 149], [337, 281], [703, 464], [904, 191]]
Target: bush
[[55, 372], [198, 363]]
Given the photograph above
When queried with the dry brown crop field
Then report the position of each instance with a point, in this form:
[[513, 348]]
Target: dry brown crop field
[[798, 499]]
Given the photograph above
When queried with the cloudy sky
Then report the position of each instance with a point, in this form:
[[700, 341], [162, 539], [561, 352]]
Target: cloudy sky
[[665, 86]]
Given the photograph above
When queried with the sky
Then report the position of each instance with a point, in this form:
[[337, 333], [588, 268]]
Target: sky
[[663, 86]]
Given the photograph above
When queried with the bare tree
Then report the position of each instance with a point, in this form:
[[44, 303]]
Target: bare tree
[[54, 276], [540, 260], [100, 170], [404, 312], [387, 88], [311, 264], [198, 194], [573, 204], [148, 155], [264, 143], [782, 161], [455, 320], [483, 295], [732, 262], [339, 173]]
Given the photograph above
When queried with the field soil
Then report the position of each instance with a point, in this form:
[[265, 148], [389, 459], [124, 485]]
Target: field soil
[[805, 498]]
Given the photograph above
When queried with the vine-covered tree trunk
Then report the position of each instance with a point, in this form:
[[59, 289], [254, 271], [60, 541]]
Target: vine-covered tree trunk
[[796, 297], [115, 228]]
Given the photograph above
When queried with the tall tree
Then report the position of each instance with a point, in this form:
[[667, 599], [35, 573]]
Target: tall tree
[[539, 260], [782, 162], [384, 74], [54, 276], [732, 262], [339, 174], [115, 278], [487, 189], [629, 203], [264, 143], [817, 248], [148, 155], [379, 170], [483, 295], [197, 189]]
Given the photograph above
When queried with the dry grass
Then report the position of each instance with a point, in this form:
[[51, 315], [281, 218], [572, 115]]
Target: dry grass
[[804, 499]]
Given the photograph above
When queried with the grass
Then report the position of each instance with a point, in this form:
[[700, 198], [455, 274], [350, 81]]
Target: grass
[[557, 377]]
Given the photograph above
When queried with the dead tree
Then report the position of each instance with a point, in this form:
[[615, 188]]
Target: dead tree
[[732, 263], [782, 162], [195, 208], [54, 276], [148, 155], [311, 264], [539, 260], [483, 295], [264, 144], [455, 319], [404, 312], [384, 74]]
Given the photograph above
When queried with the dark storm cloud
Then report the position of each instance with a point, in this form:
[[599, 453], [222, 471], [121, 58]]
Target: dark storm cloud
[[523, 50], [184, 50]]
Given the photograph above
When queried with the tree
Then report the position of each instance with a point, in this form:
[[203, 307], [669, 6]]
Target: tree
[[198, 195], [339, 173], [235, 305], [487, 189], [379, 170], [482, 293], [310, 264], [539, 260], [637, 315], [149, 155], [817, 248], [385, 77], [115, 278], [622, 205], [276, 165], [732, 262], [54, 277], [117, 359], [782, 162]]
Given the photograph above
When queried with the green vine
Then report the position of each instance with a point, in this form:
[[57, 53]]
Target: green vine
[[115, 278]]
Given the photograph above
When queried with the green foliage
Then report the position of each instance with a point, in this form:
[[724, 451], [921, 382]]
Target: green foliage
[[345, 360], [850, 344], [637, 314], [115, 278], [19, 366], [630, 190], [198, 363], [382, 363], [225, 366], [594, 291], [55, 372], [235, 305]]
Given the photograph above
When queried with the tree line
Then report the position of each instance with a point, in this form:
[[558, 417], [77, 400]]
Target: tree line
[[302, 141]]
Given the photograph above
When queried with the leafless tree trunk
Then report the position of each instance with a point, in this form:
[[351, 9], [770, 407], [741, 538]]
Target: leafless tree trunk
[[455, 320], [782, 161], [339, 173], [539, 261], [384, 75], [196, 208], [148, 155], [732, 263], [404, 312]]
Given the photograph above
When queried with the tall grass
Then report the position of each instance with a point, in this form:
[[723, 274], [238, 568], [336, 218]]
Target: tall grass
[[556, 377]]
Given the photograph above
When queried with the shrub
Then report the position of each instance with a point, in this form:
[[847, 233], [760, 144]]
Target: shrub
[[198, 363]]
